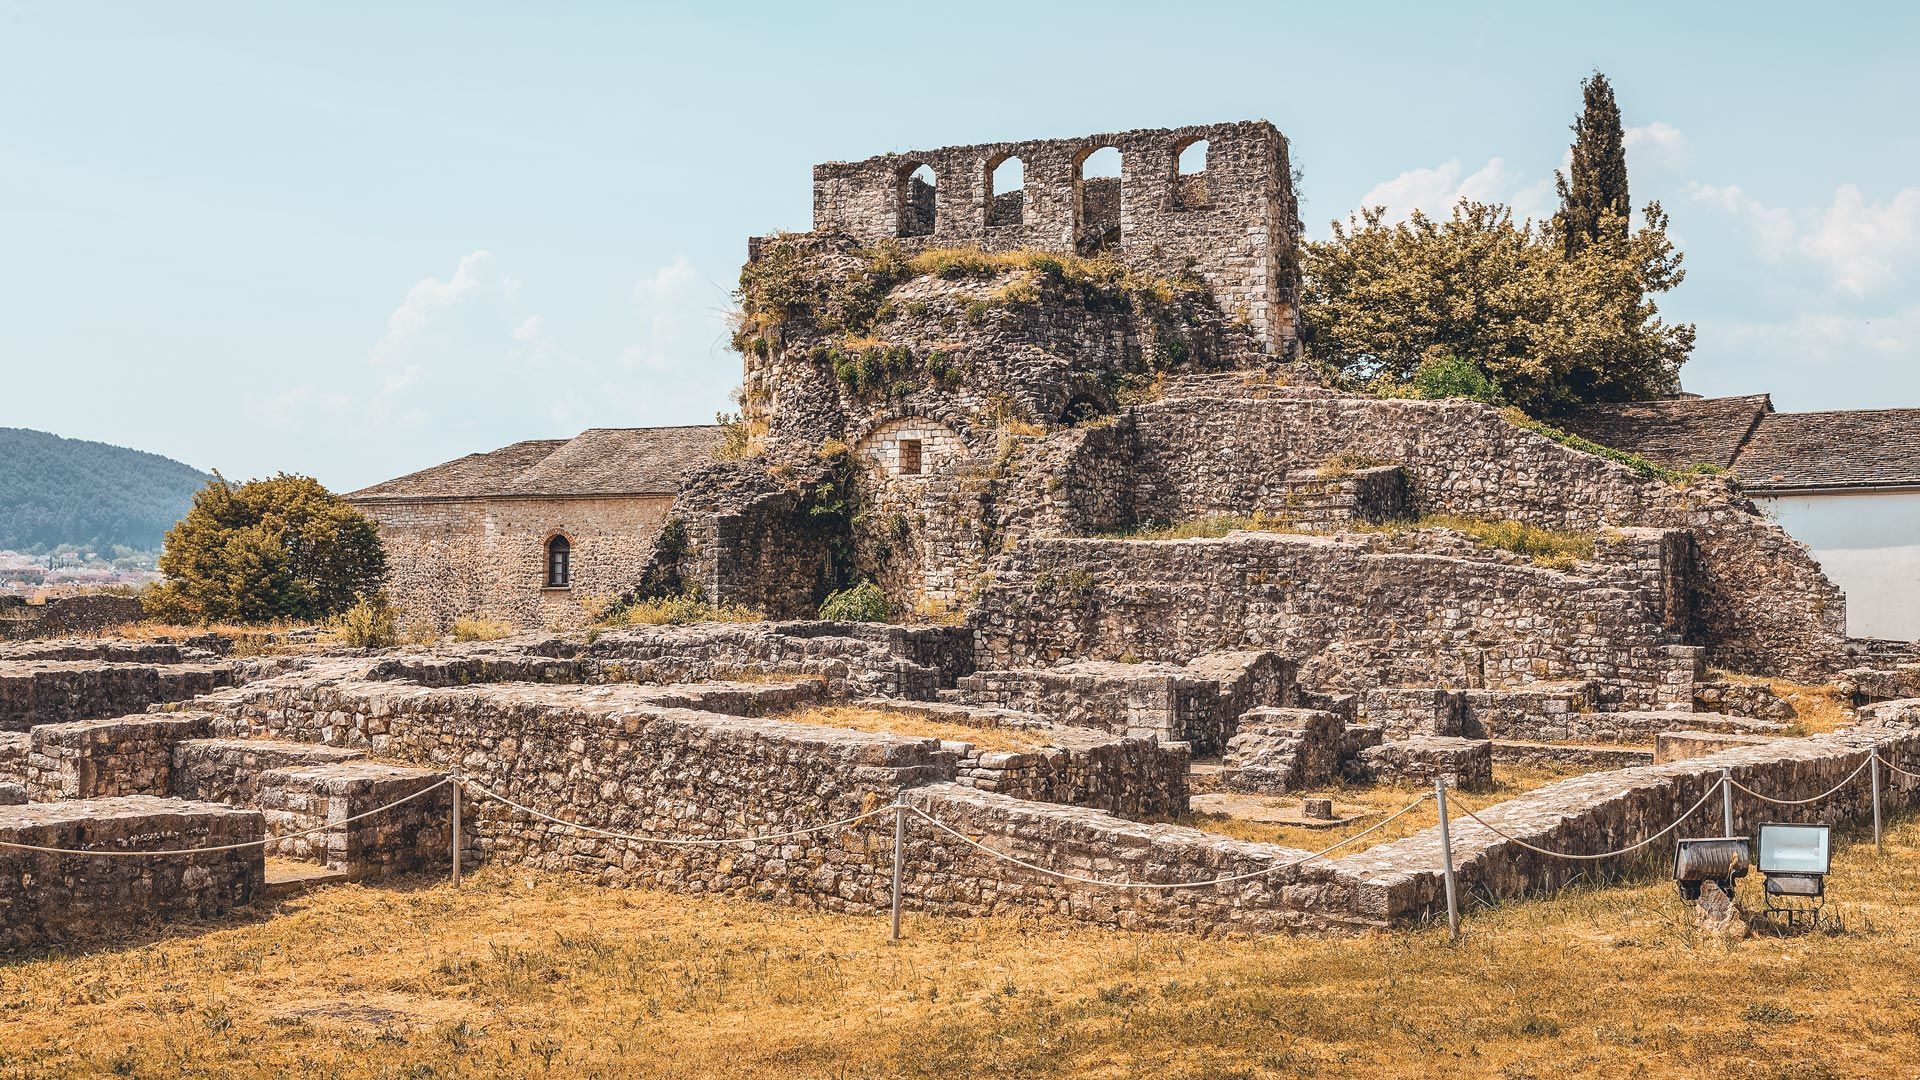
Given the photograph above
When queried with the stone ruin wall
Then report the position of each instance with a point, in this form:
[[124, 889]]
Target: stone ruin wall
[[1356, 617], [449, 558], [1758, 600], [1238, 238], [87, 613]]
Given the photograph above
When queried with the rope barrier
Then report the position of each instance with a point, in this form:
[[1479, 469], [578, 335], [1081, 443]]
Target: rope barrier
[[673, 841], [1510, 838], [1065, 876], [435, 786], [1817, 798], [1898, 769]]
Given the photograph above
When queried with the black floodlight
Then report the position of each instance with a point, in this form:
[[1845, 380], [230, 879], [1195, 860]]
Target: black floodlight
[[1719, 859], [1794, 862]]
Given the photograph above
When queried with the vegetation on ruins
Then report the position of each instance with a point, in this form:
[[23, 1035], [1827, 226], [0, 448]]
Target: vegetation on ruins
[[1551, 314], [279, 548], [1631, 460], [1551, 548], [859, 603], [677, 610], [371, 623], [475, 628]]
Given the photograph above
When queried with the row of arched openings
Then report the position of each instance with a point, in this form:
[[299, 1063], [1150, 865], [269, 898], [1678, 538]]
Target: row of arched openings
[[1096, 183]]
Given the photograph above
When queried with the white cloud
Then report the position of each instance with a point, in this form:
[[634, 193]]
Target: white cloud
[[1434, 191], [1861, 244], [1658, 143], [681, 315]]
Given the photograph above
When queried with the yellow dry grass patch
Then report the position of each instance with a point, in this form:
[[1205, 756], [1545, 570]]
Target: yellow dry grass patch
[[886, 721], [1379, 800], [516, 975]]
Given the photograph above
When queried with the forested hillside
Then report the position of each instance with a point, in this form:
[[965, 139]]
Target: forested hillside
[[69, 491]]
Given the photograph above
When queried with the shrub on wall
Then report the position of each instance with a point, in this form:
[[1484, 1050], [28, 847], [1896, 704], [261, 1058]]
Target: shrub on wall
[[861, 603], [280, 548]]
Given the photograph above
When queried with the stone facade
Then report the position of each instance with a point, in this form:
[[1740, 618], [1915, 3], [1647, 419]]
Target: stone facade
[[1278, 750], [1465, 763], [487, 557], [411, 836], [95, 759], [88, 613]]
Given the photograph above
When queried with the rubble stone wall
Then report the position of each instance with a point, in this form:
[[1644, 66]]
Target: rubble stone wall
[[1760, 600], [410, 836], [1355, 617], [93, 759], [51, 899], [56, 691], [1238, 238]]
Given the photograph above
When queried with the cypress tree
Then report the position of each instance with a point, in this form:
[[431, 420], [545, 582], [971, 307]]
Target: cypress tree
[[1596, 183]]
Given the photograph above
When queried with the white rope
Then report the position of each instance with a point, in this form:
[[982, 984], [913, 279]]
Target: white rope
[[1684, 815], [435, 786], [673, 841], [1063, 875], [1898, 769], [1802, 802]]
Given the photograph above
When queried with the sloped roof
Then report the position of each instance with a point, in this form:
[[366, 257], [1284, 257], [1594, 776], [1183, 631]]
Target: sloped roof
[[599, 461], [1861, 448], [1674, 432]]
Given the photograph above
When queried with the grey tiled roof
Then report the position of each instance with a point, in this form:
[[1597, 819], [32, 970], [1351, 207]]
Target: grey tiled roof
[[1858, 448], [1675, 432], [599, 461]]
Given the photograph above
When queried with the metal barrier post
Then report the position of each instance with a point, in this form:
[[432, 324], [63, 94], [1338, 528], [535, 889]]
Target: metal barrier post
[[1446, 860], [456, 827], [1726, 802], [899, 860], [1873, 770]]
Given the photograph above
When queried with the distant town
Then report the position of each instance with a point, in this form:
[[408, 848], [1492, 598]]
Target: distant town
[[68, 569]]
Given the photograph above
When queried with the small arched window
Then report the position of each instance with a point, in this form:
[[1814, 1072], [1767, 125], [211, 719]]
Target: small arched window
[[559, 563], [1006, 199], [1097, 200], [1190, 176]]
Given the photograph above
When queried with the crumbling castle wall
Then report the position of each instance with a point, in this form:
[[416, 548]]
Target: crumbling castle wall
[[1231, 223]]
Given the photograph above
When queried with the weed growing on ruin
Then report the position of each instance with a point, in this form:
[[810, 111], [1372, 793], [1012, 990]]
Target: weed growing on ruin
[[1204, 528], [1619, 457], [474, 628], [1550, 548], [860, 603], [679, 611], [1347, 462], [371, 623], [905, 721]]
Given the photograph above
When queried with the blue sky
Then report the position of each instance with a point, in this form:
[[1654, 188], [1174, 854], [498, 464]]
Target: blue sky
[[353, 240]]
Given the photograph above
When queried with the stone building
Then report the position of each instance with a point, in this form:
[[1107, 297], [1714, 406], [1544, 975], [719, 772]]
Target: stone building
[[537, 533], [1845, 483]]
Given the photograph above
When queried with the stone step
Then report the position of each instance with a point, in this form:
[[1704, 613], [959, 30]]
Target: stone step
[[286, 878]]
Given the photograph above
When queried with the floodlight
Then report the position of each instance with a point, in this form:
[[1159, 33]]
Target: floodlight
[[1719, 859], [1794, 861]]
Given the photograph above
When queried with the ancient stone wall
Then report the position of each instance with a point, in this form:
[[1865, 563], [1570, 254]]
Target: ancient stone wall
[[1355, 617], [93, 759], [87, 613], [486, 557], [49, 899], [410, 836], [1760, 602], [1238, 238], [52, 691]]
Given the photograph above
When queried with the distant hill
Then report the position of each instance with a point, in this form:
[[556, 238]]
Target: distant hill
[[69, 491]]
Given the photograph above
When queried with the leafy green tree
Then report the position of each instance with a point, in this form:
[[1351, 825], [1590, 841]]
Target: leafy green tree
[[1593, 190], [279, 548], [1550, 330], [861, 603]]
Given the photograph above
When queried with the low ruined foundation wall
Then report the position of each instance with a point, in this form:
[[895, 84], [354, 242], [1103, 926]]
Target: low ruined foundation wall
[[1602, 812], [55, 691], [1134, 777], [411, 836], [1356, 617], [93, 759], [48, 899]]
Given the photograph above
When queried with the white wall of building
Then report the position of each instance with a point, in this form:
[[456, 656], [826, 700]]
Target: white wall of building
[[1869, 544]]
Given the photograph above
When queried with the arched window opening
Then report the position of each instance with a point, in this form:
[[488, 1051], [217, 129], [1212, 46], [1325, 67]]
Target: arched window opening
[[1006, 194], [910, 457], [1190, 178], [1096, 192], [917, 205], [559, 563]]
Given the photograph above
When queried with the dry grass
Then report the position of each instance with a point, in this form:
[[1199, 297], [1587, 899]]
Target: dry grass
[[899, 723], [517, 975], [1548, 548], [1379, 800], [475, 628]]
